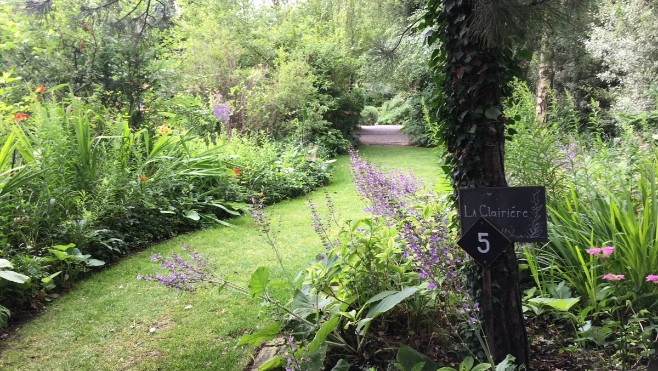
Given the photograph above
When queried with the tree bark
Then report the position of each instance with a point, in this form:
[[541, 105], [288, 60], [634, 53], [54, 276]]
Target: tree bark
[[545, 78], [477, 77]]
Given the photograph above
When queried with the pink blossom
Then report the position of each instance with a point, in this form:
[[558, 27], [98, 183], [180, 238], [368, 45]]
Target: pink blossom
[[613, 277], [607, 251], [601, 252], [652, 278]]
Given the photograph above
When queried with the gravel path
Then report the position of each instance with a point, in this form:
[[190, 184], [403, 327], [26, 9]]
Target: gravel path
[[382, 135]]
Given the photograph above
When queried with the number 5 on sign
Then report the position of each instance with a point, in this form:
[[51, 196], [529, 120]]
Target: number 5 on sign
[[482, 237], [484, 242]]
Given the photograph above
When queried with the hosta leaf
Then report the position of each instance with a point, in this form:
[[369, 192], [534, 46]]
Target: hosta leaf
[[192, 214], [94, 263], [14, 276]]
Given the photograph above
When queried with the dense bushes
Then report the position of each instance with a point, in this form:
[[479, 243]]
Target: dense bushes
[[598, 272], [71, 177]]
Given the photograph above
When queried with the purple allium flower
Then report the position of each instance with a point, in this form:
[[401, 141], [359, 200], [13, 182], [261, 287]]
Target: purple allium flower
[[221, 109]]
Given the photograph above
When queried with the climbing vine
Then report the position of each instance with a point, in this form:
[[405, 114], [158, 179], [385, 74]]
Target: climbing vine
[[474, 80], [474, 74]]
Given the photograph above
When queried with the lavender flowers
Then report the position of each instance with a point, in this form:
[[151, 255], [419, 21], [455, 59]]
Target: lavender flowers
[[183, 274], [387, 194]]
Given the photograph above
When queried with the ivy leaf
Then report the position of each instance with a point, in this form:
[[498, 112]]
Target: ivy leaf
[[492, 113]]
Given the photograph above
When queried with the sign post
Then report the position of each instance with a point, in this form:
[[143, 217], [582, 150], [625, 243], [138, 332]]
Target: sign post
[[492, 219]]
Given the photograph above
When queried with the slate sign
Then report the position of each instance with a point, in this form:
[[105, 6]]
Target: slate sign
[[519, 213], [484, 243]]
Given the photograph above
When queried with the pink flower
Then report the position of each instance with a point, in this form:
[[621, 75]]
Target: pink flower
[[613, 277], [601, 252], [607, 251], [652, 278]]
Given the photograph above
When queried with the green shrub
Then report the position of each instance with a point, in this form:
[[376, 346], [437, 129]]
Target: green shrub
[[396, 111], [273, 171], [70, 176], [369, 115]]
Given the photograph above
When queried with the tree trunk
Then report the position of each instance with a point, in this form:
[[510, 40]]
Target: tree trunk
[[477, 77], [545, 78]]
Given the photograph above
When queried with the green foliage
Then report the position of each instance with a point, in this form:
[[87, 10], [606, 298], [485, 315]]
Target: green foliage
[[620, 40], [70, 176], [536, 155], [272, 171], [69, 263], [369, 115]]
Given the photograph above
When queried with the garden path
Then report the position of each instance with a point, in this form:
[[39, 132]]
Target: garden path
[[112, 321], [382, 135]]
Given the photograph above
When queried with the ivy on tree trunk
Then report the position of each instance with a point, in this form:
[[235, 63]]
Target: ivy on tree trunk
[[476, 80]]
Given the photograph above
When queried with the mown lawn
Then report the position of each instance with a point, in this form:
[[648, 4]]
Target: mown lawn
[[112, 321]]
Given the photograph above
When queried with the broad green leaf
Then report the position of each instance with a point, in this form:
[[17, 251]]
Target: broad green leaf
[[466, 364], [60, 255], [482, 367], [49, 279], [192, 214], [94, 263], [381, 296], [410, 358], [258, 281], [323, 332], [314, 360], [272, 364], [4, 316], [63, 247], [341, 365], [391, 301], [264, 334], [559, 304], [14, 276], [507, 364]]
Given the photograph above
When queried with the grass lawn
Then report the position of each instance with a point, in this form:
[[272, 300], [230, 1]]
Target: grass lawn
[[112, 321]]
